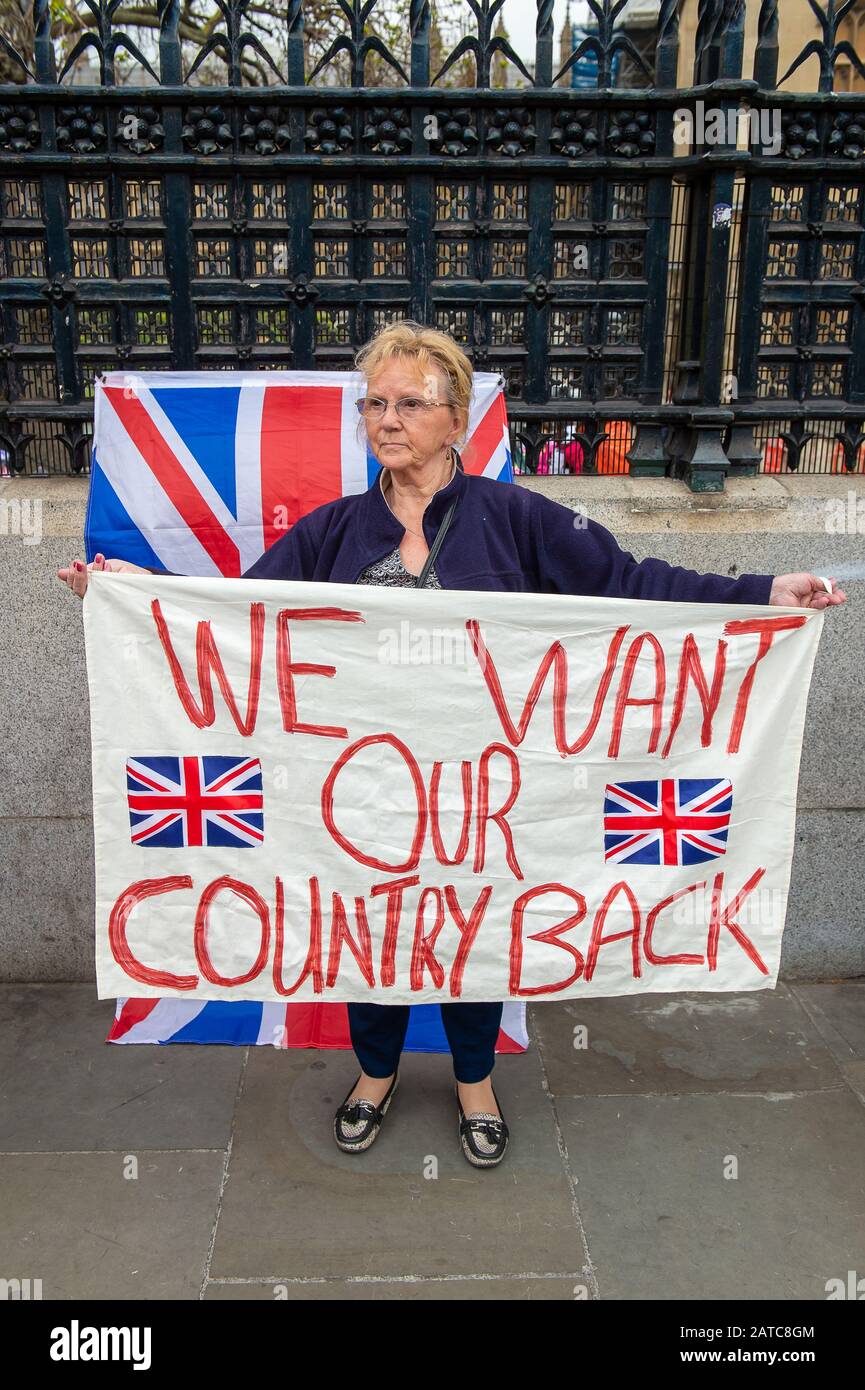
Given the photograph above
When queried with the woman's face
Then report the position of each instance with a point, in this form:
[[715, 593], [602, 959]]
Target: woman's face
[[424, 431]]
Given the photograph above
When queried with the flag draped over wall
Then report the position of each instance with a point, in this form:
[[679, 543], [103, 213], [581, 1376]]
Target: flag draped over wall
[[199, 473]]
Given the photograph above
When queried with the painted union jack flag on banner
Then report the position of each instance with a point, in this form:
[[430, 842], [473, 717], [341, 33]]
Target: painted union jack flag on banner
[[195, 801], [679, 820]]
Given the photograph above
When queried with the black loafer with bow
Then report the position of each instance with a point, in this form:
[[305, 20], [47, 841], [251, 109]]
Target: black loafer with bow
[[356, 1123], [483, 1137]]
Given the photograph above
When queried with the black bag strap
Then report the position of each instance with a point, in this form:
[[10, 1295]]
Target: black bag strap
[[421, 579]]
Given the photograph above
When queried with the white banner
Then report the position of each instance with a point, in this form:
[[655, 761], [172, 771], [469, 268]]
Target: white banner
[[338, 792]]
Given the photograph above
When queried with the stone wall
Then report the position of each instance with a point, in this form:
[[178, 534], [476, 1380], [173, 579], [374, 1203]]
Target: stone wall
[[763, 525]]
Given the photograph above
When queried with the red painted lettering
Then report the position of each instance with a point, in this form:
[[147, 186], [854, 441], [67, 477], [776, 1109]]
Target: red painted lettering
[[423, 946], [690, 667], [721, 917], [598, 939], [340, 933], [557, 656], [286, 669], [207, 659], [420, 820], [202, 952], [394, 891], [513, 733], [468, 930], [485, 815], [312, 964], [117, 922], [550, 935], [438, 844], [651, 955], [625, 699], [560, 696], [766, 628]]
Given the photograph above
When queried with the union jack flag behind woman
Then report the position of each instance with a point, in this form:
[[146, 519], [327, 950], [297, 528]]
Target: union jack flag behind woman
[[200, 473]]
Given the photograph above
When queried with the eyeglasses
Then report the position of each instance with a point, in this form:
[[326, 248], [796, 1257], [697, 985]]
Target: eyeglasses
[[407, 407]]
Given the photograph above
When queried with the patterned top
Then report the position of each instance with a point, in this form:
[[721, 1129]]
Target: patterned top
[[391, 570]]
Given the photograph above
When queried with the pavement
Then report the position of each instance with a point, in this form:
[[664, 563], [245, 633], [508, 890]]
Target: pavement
[[697, 1146]]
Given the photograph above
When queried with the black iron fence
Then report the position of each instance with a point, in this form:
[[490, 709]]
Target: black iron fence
[[656, 305]]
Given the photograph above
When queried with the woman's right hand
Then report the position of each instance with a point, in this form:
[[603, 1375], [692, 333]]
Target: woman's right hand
[[75, 576]]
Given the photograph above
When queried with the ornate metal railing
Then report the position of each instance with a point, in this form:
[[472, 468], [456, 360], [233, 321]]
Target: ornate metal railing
[[164, 224]]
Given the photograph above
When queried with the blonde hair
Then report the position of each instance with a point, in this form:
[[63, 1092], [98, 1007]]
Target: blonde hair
[[427, 347]]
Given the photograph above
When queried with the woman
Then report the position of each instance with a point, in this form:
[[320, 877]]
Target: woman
[[416, 407]]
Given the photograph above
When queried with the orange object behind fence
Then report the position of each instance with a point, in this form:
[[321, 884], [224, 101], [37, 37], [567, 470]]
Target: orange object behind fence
[[566, 456], [773, 456], [838, 460], [611, 454]]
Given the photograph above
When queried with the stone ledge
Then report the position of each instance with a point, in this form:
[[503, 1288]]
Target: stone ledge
[[759, 505], [669, 494], [765, 503], [660, 494]]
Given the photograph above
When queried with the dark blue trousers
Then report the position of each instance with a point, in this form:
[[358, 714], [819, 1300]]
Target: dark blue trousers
[[378, 1034]]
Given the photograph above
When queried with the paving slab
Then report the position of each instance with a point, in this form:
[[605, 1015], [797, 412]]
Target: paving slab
[[63, 1087], [837, 1009], [613, 1186], [854, 1074], [663, 1222], [295, 1206], [89, 1232], [685, 1043]]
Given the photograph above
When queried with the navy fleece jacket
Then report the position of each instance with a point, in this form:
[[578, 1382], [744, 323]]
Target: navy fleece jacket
[[502, 536]]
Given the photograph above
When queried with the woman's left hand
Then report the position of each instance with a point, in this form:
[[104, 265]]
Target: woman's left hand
[[805, 591]]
